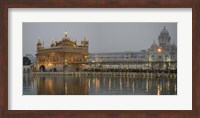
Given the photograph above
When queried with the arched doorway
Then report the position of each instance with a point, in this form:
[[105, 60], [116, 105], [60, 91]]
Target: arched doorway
[[42, 68]]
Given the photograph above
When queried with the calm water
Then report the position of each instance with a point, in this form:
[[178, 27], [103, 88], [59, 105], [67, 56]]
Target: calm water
[[63, 85]]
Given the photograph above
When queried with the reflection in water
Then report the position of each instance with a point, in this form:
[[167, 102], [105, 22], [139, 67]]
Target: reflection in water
[[133, 88], [65, 87], [175, 89], [147, 85], [158, 89], [88, 85], [109, 84]]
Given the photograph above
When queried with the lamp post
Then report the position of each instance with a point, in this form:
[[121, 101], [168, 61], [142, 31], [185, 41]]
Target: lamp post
[[159, 50]]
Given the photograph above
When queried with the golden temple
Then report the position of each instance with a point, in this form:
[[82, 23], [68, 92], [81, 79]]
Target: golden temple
[[65, 54]]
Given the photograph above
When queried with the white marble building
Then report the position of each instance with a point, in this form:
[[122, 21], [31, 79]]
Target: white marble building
[[163, 51], [118, 56]]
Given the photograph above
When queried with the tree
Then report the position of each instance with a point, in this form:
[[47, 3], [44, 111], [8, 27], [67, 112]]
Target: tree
[[26, 61]]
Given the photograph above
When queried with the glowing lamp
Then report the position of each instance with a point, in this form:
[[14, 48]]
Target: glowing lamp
[[159, 50]]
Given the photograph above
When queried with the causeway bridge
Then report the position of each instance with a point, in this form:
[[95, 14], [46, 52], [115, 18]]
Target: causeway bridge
[[163, 65]]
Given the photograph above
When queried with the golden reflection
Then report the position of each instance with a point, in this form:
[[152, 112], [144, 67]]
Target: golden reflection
[[133, 86], [127, 83], [65, 87], [120, 84], [97, 85], [84, 86], [109, 83], [168, 85], [76, 86], [89, 84], [159, 88], [50, 84], [147, 85]]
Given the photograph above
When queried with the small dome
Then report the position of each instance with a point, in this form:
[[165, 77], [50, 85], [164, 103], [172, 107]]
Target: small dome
[[53, 44], [65, 38], [39, 43], [154, 45], [66, 34], [164, 31], [174, 45]]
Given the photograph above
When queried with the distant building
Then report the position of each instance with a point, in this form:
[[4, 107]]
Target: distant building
[[164, 51], [65, 54], [118, 56]]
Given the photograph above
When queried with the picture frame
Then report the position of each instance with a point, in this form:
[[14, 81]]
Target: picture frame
[[5, 5]]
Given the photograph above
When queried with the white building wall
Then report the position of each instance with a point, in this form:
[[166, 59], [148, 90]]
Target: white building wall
[[168, 53]]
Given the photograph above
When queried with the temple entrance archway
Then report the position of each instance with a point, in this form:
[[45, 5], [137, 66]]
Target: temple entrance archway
[[42, 68]]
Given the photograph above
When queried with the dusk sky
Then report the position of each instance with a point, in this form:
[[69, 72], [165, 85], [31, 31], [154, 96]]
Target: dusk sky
[[103, 37]]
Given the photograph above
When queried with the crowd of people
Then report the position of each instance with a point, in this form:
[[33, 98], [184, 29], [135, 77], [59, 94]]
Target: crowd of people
[[131, 70]]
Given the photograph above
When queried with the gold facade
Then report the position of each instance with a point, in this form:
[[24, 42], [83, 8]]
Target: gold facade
[[60, 54]]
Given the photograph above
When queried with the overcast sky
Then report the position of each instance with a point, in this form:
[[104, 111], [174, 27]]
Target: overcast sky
[[103, 37]]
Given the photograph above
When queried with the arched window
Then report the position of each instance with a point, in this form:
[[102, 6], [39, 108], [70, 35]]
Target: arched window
[[152, 57], [166, 57], [160, 58]]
